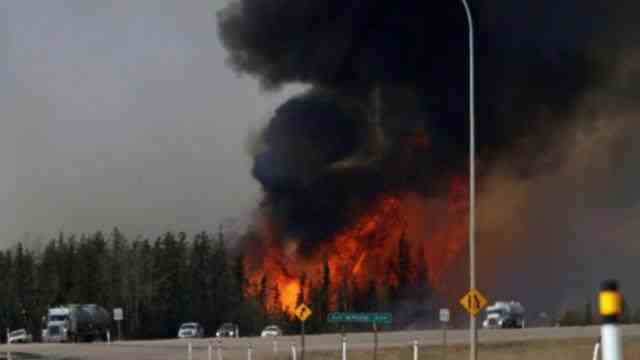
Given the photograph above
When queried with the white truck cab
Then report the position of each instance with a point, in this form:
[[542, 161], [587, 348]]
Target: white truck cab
[[503, 315], [57, 325]]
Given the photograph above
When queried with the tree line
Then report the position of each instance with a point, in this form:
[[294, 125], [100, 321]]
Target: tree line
[[175, 278], [160, 284]]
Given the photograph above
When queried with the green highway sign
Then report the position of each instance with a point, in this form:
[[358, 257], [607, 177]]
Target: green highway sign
[[350, 317]]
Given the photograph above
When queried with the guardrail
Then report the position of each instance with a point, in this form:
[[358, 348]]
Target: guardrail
[[292, 352]]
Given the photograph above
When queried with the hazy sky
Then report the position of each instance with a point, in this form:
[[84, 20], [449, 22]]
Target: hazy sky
[[121, 113]]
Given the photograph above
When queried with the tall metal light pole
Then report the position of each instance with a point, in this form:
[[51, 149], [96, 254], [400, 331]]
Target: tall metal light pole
[[473, 355]]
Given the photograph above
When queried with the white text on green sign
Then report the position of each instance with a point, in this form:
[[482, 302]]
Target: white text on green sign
[[384, 318]]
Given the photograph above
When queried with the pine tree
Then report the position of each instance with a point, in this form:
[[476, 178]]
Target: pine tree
[[303, 283], [239, 280], [25, 289], [384, 298], [319, 299], [226, 284], [48, 279], [116, 271], [145, 260], [200, 279], [47, 283], [325, 292], [170, 277], [263, 296], [65, 266], [244, 309], [404, 263], [371, 296], [278, 316], [182, 291], [7, 296], [344, 298], [166, 277]]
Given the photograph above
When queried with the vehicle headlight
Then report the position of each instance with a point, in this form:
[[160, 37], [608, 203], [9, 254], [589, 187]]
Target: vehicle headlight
[[231, 333]]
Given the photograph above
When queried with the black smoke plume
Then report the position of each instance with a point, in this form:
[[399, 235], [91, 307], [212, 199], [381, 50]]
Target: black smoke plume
[[387, 105]]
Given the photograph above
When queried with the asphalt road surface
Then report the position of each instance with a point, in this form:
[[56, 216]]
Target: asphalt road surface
[[264, 348]]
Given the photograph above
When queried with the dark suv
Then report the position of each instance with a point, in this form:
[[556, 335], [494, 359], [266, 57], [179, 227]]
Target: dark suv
[[228, 330]]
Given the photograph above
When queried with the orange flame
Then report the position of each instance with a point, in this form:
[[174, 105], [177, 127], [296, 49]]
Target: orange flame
[[366, 251]]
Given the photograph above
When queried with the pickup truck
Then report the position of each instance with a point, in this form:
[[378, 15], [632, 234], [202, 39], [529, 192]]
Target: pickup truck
[[19, 336]]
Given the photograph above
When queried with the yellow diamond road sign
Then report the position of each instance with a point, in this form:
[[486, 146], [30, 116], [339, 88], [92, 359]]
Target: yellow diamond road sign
[[473, 301], [303, 312]]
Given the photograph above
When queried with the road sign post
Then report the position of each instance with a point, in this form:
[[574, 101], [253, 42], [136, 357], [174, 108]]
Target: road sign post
[[473, 301], [302, 343], [445, 316], [373, 318], [344, 347], [302, 312], [375, 341], [118, 316]]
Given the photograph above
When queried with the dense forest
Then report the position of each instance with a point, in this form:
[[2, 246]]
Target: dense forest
[[175, 278], [159, 284]]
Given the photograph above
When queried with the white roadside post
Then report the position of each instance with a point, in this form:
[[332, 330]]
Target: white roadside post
[[219, 349], [275, 347], [445, 316], [610, 306], [415, 349], [596, 350], [344, 347], [189, 351], [249, 351], [210, 351], [118, 316], [293, 351]]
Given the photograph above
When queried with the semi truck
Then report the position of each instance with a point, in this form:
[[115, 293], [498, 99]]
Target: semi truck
[[74, 323], [503, 315]]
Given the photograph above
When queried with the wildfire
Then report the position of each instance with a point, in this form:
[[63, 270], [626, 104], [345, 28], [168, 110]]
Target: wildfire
[[290, 293], [367, 251]]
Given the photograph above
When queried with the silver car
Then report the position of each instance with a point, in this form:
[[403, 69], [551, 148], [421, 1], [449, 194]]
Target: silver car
[[271, 331], [190, 329]]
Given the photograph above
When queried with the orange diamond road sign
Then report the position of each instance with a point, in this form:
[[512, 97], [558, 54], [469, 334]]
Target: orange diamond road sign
[[303, 312], [473, 302]]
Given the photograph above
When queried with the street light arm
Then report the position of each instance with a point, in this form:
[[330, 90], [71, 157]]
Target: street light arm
[[470, 24]]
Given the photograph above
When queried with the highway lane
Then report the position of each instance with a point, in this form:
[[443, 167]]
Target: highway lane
[[237, 348]]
